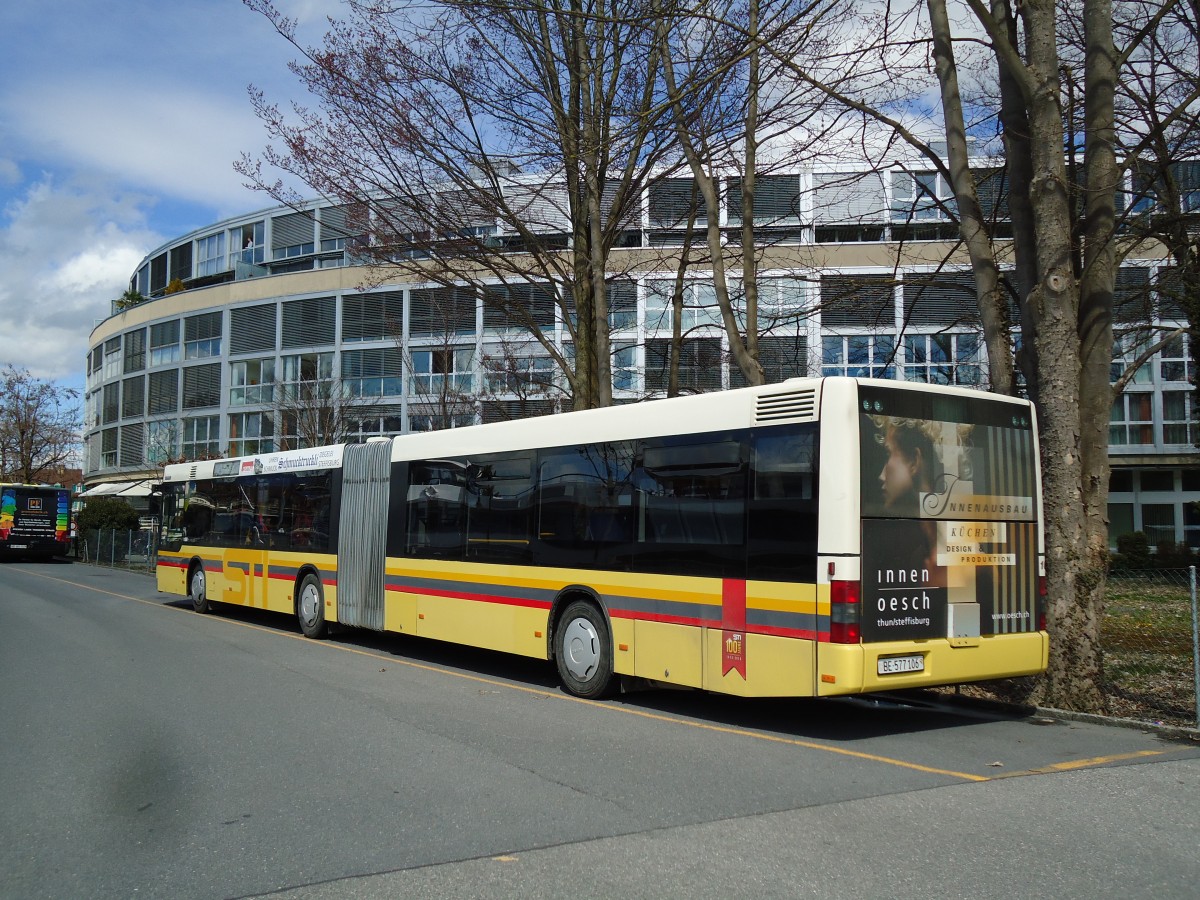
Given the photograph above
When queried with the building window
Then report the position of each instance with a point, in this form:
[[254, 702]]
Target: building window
[[699, 364], [108, 448], [202, 336], [776, 199], [302, 368], [247, 244], [202, 386], [437, 371], [1127, 348], [133, 397], [372, 373], [163, 391], [164, 343], [210, 255], [292, 235], [858, 355], [921, 197], [624, 367], [506, 373], [112, 402], [252, 381], [1191, 525], [1158, 523], [622, 305], [135, 350], [113, 362], [1120, 521], [1179, 418], [202, 437], [162, 441], [1132, 420], [358, 430], [699, 306], [251, 433], [439, 422], [943, 359], [1175, 363]]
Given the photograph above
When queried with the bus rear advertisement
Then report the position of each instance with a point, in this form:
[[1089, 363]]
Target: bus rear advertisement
[[817, 537], [35, 520]]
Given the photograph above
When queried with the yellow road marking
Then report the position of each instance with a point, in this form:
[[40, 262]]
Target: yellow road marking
[[1101, 760], [609, 707]]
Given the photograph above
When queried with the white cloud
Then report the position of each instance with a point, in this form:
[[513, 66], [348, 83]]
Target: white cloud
[[66, 253], [185, 147]]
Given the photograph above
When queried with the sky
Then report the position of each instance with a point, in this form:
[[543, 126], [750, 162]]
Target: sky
[[119, 126]]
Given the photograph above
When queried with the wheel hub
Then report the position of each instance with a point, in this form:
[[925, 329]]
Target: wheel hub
[[581, 644]]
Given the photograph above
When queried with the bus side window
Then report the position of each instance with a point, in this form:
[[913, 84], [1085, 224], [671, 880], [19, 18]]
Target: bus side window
[[782, 516], [436, 514], [499, 508], [693, 495], [308, 513], [585, 506]]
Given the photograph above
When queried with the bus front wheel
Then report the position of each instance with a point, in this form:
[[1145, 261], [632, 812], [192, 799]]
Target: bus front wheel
[[310, 607], [583, 651], [198, 590]]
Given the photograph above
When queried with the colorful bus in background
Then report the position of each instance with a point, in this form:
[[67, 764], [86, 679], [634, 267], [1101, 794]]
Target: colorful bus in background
[[35, 520], [817, 537]]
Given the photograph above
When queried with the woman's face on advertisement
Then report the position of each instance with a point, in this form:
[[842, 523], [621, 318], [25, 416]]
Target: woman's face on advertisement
[[898, 473]]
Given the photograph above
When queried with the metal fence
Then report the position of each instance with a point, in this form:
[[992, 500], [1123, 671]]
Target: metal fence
[[1151, 646], [136, 550]]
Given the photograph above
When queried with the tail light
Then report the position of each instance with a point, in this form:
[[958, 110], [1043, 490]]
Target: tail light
[[1043, 592], [843, 612]]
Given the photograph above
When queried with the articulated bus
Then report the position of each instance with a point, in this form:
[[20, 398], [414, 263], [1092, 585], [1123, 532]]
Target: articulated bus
[[35, 520], [816, 537]]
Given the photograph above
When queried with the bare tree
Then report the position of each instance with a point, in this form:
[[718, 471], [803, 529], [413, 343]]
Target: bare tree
[[39, 426], [1065, 256], [318, 412], [491, 142]]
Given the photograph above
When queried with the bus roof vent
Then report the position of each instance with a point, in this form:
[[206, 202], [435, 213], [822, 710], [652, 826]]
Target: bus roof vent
[[787, 406], [192, 474]]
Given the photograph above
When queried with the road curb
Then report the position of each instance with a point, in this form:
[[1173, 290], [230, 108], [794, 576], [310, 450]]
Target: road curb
[[1172, 732]]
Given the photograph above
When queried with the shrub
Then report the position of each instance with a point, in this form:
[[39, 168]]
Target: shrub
[[107, 513], [1174, 556], [1134, 549]]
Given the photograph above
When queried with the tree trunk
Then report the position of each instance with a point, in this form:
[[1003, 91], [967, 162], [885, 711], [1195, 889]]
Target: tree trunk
[[1072, 680], [986, 270], [1096, 299]]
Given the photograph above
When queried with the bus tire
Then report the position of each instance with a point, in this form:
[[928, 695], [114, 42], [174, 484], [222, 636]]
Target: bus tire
[[198, 589], [310, 607], [583, 651]]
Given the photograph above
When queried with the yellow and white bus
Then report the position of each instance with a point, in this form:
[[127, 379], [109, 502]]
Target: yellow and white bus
[[818, 537]]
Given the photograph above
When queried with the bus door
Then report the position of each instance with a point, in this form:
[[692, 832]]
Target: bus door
[[245, 532]]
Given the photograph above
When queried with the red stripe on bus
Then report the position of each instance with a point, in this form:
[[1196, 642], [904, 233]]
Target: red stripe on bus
[[482, 598]]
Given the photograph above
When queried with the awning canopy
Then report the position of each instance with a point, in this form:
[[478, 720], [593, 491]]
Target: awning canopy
[[119, 489], [101, 489]]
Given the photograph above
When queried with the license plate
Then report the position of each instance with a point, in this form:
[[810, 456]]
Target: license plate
[[19, 546], [891, 665]]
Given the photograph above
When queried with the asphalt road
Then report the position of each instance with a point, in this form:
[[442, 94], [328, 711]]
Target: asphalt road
[[149, 751]]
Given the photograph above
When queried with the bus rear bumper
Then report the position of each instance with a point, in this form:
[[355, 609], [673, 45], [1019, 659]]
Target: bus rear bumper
[[864, 668]]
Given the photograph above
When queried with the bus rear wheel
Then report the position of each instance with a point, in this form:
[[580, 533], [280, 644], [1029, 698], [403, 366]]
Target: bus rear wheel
[[198, 590], [583, 651], [310, 607]]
